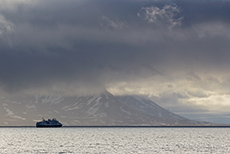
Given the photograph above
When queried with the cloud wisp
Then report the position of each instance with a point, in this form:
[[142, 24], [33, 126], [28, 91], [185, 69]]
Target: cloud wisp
[[169, 15]]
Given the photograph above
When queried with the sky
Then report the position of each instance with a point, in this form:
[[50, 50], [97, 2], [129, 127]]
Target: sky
[[172, 51]]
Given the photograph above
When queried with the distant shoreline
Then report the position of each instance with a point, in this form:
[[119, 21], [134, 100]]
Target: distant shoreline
[[218, 126]]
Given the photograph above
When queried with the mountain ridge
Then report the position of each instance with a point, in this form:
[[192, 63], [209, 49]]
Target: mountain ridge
[[101, 109]]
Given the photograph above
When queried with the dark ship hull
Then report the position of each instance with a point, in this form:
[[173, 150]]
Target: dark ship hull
[[48, 125]]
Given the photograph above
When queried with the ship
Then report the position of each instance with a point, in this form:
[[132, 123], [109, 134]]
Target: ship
[[49, 123]]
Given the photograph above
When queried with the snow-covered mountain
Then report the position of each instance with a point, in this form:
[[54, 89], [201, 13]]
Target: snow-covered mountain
[[102, 109]]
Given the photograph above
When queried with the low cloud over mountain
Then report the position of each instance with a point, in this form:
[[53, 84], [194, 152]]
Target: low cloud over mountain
[[175, 52]]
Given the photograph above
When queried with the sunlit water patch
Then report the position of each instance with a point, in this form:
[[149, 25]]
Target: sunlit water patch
[[114, 140]]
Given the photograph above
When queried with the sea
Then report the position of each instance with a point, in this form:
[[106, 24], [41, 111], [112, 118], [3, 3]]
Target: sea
[[90, 140]]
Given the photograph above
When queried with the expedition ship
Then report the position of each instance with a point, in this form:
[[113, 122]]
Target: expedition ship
[[49, 123]]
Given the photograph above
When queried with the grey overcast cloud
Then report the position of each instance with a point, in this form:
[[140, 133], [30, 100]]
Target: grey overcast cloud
[[175, 52]]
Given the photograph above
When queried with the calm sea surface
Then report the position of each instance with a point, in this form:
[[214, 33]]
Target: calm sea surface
[[114, 140]]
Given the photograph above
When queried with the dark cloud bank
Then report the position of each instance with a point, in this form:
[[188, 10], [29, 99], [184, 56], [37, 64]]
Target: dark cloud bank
[[103, 43]]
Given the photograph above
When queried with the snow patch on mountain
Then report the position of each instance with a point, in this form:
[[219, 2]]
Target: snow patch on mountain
[[12, 114]]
